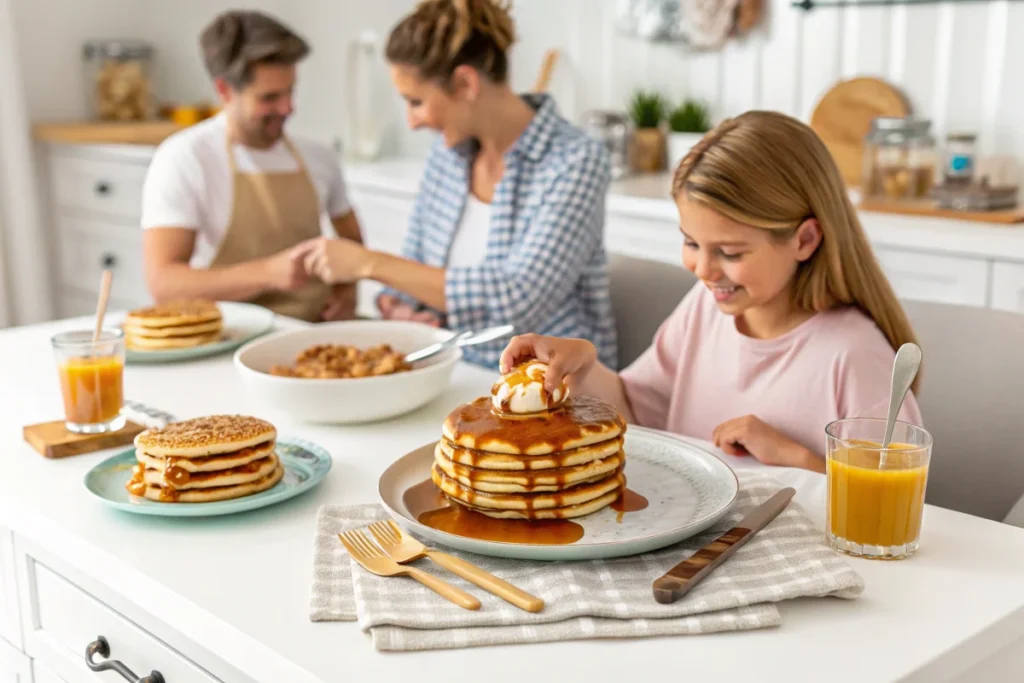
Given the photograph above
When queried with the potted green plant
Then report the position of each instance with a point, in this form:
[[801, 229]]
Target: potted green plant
[[647, 111], [687, 124]]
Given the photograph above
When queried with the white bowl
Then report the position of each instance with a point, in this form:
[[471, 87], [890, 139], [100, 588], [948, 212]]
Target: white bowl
[[350, 400]]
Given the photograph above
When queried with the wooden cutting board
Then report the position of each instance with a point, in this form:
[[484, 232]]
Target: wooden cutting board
[[53, 440], [843, 116]]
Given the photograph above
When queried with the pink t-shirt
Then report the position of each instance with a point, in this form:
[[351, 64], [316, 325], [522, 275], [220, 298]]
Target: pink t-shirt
[[701, 371]]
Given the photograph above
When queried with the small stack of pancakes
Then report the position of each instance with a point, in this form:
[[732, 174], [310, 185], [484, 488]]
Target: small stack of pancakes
[[205, 459], [174, 325], [560, 463]]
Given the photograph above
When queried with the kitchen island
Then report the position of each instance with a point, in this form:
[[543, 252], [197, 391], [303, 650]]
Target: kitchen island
[[227, 599]]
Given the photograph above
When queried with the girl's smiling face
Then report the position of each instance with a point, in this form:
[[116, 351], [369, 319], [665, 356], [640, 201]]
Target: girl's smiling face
[[745, 267]]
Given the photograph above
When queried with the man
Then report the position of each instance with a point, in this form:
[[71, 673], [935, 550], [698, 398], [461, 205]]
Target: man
[[230, 204]]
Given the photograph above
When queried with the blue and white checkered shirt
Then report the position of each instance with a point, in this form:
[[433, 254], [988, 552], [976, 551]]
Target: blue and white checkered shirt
[[544, 267]]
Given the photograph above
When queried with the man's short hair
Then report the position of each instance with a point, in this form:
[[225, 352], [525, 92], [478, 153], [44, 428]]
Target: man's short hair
[[234, 42]]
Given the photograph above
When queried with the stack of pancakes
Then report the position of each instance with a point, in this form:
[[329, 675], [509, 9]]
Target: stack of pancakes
[[174, 325], [560, 463], [205, 459]]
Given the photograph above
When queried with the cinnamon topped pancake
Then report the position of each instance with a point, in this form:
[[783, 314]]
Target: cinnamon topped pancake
[[183, 480], [207, 463], [206, 436], [579, 421], [173, 331], [174, 313]]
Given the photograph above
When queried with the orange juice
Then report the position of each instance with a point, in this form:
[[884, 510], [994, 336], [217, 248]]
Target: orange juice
[[873, 505], [92, 389]]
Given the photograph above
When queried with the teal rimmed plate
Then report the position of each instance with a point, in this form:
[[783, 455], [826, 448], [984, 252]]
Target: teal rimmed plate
[[305, 465]]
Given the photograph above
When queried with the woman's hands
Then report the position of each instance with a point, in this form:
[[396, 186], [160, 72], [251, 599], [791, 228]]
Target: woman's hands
[[749, 435], [336, 260]]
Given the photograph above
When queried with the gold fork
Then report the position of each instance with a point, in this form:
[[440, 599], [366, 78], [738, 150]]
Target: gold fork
[[402, 547], [373, 560]]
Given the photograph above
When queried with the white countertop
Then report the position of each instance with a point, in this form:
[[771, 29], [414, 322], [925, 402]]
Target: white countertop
[[242, 581], [648, 197]]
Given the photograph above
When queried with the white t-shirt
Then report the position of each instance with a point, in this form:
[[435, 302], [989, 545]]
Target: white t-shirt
[[469, 244], [189, 182]]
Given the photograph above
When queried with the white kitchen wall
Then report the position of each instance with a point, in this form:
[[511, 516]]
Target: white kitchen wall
[[953, 60]]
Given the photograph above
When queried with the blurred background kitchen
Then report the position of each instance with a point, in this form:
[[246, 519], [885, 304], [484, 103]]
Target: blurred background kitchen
[[917, 101]]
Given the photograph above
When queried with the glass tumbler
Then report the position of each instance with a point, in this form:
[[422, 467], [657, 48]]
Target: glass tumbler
[[875, 495], [91, 380]]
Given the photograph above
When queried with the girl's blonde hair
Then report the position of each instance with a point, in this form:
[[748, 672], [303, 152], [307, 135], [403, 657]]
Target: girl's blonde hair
[[770, 171], [440, 35]]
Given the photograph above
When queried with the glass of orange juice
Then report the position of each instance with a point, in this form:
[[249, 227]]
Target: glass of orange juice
[[875, 494], [91, 380]]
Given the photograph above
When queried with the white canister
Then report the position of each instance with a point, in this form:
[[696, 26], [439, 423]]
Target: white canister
[[679, 144]]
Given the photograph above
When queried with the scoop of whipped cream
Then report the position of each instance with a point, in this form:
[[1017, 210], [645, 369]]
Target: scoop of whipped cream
[[522, 390]]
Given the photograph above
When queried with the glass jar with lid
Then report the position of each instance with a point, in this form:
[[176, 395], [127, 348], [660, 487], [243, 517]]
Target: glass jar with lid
[[899, 159], [117, 77]]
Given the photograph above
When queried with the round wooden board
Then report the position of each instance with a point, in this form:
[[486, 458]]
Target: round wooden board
[[843, 116]]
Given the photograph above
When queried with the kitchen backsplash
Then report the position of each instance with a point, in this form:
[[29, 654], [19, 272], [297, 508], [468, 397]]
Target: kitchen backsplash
[[953, 60]]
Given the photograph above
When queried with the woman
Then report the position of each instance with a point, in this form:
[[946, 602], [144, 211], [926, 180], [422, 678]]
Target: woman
[[508, 223]]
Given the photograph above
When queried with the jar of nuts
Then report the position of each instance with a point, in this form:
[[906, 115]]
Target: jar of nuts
[[899, 159], [118, 79]]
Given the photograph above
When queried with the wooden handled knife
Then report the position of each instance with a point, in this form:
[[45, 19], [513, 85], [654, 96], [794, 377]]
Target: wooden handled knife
[[677, 582]]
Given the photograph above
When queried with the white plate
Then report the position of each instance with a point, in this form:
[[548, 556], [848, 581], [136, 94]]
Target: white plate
[[688, 490], [242, 322]]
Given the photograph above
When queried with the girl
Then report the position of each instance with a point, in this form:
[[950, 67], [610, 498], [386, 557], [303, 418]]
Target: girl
[[508, 225], [793, 324]]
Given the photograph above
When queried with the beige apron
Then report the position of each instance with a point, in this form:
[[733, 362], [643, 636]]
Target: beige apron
[[271, 212]]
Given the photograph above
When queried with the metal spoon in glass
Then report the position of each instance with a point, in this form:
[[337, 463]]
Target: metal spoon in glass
[[904, 370], [467, 338]]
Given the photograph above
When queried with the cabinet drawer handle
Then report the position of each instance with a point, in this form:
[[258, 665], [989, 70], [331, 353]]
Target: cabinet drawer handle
[[101, 648], [102, 188], [108, 260]]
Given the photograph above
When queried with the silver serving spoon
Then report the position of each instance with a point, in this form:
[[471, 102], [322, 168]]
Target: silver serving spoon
[[467, 338], [904, 370]]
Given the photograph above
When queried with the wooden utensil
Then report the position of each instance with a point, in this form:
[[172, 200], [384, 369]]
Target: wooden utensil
[[373, 560], [402, 547], [547, 68], [843, 116], [101, 304], [678, 581]]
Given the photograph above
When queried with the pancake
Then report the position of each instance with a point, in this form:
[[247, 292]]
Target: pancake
[[183, 481], [548, 480], [150, 343], [527, 504], [567, 512], [173, 313], [210, 463], [504, 461], [209, 495], [173, 331], [205, 436], [579, 421]]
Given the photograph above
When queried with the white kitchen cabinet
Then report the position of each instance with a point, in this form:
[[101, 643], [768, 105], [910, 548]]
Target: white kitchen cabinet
[[1008, 286], [16, 667], [10, 626], [100, 182], [931, 277], [62, 619], [40, 674]]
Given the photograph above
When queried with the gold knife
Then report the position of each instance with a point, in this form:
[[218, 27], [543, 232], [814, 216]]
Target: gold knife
[[677, 582]]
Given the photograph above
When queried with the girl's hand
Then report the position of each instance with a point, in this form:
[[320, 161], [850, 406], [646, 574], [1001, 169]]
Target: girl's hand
[[568, 359], [337, 260], [749, 435]]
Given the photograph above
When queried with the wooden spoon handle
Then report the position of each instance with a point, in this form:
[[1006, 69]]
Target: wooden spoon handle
[[489, 582], [444, 589]]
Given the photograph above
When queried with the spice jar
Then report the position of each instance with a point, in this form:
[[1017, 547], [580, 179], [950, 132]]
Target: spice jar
[[118, 78], [959, 157], [899, 159]]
